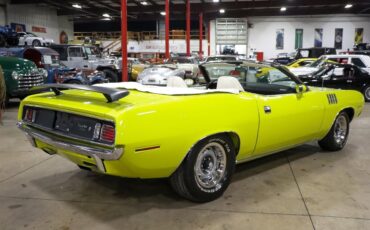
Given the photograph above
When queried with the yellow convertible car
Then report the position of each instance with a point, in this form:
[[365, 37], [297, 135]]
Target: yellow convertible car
[[193, 136]]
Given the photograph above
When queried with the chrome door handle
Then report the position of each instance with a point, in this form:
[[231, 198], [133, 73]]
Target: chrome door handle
[[267, 109]]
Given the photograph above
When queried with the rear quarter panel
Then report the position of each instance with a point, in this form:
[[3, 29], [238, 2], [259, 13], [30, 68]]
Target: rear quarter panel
[[346, 99], [177, 127]]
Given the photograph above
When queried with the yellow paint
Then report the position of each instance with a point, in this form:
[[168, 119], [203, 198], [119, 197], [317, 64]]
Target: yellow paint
[[176, 123]]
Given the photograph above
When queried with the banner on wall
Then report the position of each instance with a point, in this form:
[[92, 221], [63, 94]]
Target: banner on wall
[[359, 35], [318, 37], [298, 38], [18, 27], [63, 37], [38, 29], [280, 39], [338, 38]]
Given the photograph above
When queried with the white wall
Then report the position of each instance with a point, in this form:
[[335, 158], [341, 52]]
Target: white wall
[[262, 35], [41, 17]]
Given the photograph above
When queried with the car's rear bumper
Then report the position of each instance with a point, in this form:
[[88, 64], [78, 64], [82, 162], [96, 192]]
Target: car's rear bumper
[[51, 144]]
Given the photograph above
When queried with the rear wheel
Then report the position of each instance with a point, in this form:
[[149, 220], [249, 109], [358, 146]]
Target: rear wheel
[[337, 137], [366, 93], [206, 172], [36, 43]]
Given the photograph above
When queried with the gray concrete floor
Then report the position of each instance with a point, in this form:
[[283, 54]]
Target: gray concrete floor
[[303, 188]]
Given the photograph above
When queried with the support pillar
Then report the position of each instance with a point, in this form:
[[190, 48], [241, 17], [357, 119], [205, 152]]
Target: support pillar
[[188, 28], [167, 39], [124, 40], [200, 35]]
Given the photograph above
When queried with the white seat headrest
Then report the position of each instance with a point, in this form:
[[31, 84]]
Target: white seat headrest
[[176, 82], [229, 83]]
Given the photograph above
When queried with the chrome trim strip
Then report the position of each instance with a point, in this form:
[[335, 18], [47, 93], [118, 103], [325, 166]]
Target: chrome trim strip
[[94, 152], [34, 125]]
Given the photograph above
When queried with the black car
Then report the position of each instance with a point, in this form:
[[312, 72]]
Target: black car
[[342, 76]]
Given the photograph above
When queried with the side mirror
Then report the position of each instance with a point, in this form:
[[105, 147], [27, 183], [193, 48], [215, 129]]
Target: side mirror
[[300, 89]]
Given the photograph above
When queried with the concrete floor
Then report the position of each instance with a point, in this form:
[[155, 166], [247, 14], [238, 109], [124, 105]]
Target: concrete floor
[[303, 188]]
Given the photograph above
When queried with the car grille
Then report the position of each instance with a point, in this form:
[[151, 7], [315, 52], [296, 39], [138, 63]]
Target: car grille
[[27, 82]]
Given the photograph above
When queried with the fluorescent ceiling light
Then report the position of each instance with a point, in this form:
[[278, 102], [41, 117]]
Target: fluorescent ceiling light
[[283, 9], [222, 11], [144, 3], [216, 0], [348, 6], [77, 6], [106, 15], [106, 19], [163, 13]]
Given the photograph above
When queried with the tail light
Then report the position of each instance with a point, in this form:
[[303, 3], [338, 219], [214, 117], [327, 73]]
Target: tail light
[[30, 115], [107, 133]]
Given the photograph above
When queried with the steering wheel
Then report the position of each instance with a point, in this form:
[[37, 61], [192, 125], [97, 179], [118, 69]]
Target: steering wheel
[[212, 84]]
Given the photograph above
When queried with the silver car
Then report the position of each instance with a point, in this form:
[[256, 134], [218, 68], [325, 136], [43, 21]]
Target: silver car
[[158, 75]]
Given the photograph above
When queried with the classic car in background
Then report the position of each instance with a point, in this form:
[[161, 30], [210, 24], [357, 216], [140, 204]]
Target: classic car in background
[[314, 52], [192, 136], [301, 62], [188, 64], [158, 75], [362, 61], [88, 58], [48, 59], [135, 67], [341, 76], [20, 76], [31, 39]]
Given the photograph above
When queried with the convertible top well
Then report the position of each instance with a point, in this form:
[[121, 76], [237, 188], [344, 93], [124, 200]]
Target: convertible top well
[[166, 90]]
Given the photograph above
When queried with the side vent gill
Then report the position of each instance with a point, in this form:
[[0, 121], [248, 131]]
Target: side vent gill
[[332, 98]]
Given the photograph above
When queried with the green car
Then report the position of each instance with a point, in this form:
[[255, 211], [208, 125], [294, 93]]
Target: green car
[[20, 76]]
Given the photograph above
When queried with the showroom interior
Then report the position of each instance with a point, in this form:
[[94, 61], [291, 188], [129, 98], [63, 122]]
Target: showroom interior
[[184, 114]]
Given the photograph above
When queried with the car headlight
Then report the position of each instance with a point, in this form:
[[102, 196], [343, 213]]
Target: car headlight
[[15, 75]]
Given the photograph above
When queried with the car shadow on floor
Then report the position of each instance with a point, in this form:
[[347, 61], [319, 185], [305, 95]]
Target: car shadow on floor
[[85, 186]]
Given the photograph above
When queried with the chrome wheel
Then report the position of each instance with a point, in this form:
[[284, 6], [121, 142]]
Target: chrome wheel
[[210, 166], [367, 93], [340, 130]]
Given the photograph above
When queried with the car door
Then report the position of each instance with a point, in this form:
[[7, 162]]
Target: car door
[[75, 57], [287, 118]]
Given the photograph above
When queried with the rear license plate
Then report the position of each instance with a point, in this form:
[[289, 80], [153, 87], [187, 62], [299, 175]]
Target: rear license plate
[[75, 125]]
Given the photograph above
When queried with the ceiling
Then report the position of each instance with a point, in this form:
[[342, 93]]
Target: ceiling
[[93, 10]]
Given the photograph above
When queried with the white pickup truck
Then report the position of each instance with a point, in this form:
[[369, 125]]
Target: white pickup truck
[[361, 61]]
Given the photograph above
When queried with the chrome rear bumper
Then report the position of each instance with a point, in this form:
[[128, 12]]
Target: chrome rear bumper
[[97, 153]]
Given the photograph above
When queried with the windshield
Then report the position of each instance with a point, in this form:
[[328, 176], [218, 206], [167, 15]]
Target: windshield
[[251, 76], [318, 62], [221, 58], [31, 35]]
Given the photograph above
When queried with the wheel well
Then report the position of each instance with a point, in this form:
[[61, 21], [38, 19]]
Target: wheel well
[[350, 112], [236, 140]]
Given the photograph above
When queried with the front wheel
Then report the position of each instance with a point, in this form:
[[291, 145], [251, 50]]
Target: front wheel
[[366, 93], [206, 172], [337, 137]]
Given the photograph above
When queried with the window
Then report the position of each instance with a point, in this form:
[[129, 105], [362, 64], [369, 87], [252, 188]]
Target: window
[[75, 52], [358, 62]]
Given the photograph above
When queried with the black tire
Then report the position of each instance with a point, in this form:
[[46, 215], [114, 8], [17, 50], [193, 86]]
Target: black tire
[[190, 186], [337, 137], [110, 75], [366, 93], [36, 43]]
